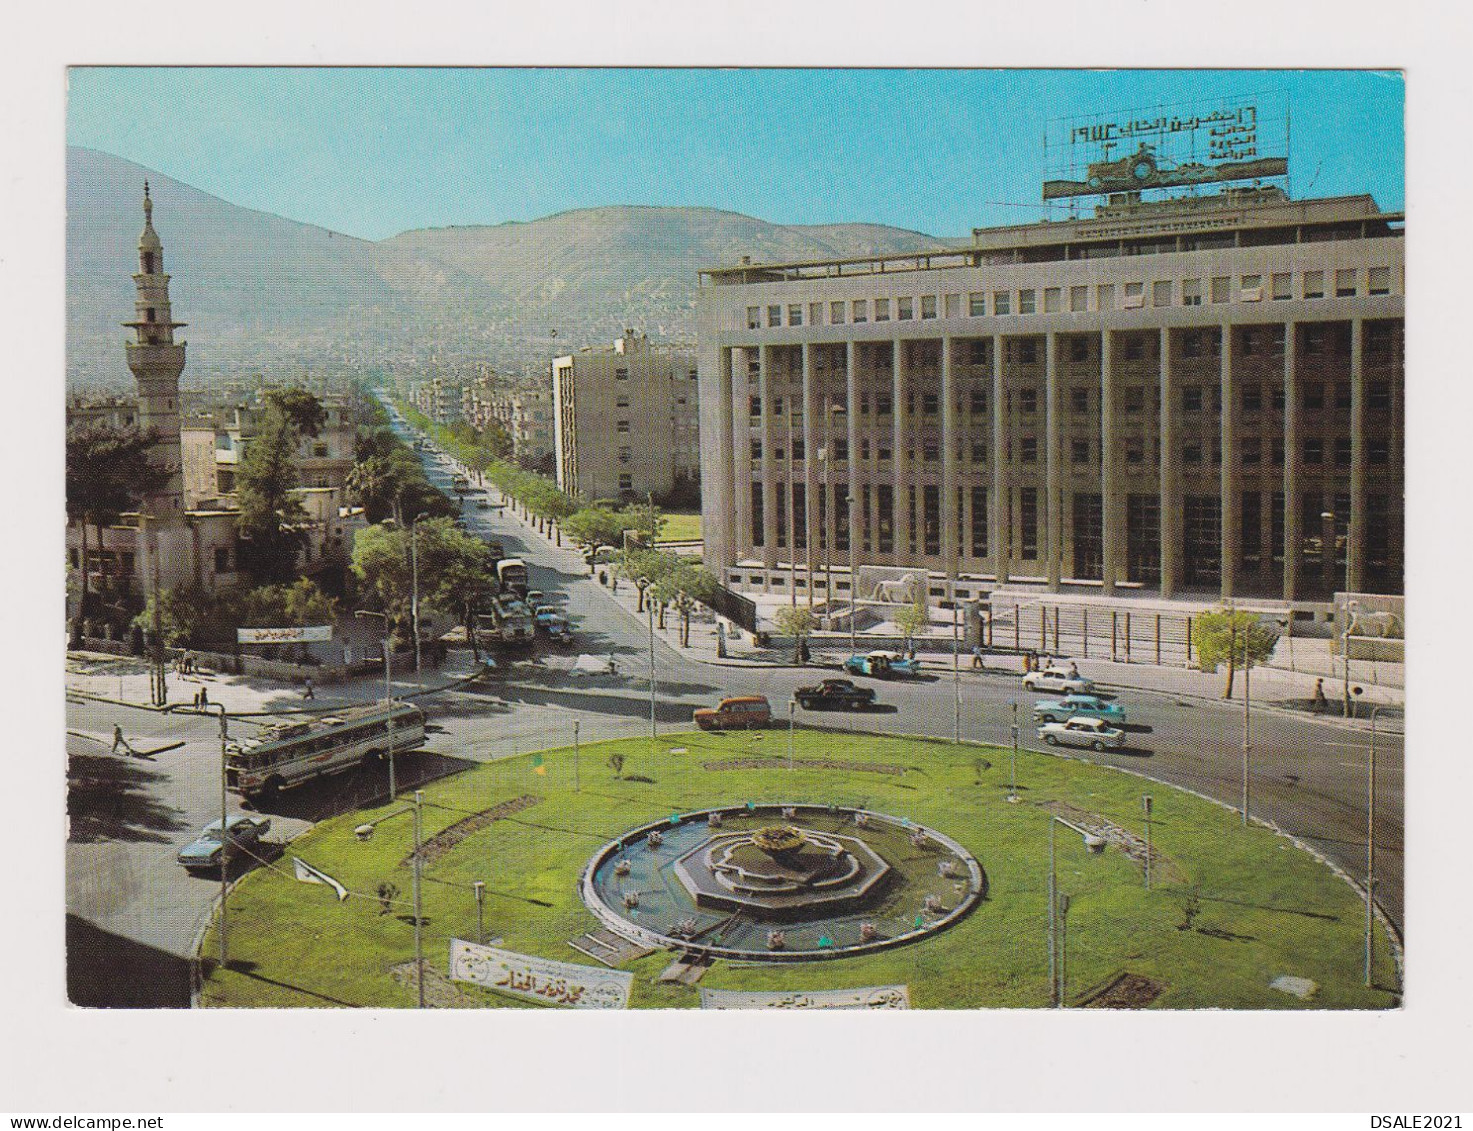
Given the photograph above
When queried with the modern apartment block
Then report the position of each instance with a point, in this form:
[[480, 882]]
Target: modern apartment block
[[625, 420], [1199, 397], [522, 408]]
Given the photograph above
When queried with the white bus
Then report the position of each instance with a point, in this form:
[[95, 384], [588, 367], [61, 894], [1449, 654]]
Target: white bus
[[512, 573], [290, 753]]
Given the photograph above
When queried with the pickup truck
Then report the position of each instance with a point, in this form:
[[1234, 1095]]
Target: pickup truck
[[831, 693]]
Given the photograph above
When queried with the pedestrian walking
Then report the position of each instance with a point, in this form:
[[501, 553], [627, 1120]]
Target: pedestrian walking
[[1320, 702], [977, 657], [119, 740], [204, 697], [307, 692]]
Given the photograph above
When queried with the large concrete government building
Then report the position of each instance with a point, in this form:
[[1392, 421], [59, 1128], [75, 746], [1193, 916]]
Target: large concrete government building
[[1198, 397]]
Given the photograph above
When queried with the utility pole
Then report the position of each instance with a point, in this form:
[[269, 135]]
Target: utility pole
[[575, 756]]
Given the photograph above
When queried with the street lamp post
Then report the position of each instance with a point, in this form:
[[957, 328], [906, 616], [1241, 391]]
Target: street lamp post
[[792, 706], [1013, 765], [1146, 808], [1058, 911], [224, 847], [956, 672], [414, 591], [654, 730], [1247, 723], [1371, 843], [388, 695], [419, 950], [365, 832], [1350, 607], [576, 786], [480, 886]]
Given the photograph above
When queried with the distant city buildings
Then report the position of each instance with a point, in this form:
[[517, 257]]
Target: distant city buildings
[[523, 408], [1200, 397], [626, 421]]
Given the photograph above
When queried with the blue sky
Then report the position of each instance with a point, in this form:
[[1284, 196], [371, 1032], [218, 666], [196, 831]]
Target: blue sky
[[372, 152]]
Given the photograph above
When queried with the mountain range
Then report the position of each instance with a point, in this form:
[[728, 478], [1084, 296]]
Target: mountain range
[[266, 295]]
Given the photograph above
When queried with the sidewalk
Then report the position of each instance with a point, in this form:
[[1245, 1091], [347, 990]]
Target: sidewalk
[[125, 680], [1289, 676]]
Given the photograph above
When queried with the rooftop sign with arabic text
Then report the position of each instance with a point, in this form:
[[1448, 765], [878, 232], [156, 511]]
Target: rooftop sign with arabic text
[[1128, 153]]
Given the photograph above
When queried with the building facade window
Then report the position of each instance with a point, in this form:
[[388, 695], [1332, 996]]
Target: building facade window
[[882, 310], [1078, 299], [861, 310], [1002, 302], [1026, 302], [774, 316], [1191, 292], [928, 306], [1079, 451], [976, 305], [904, 309]]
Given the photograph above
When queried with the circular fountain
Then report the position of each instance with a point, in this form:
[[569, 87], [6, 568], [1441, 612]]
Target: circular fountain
[[781, 882]]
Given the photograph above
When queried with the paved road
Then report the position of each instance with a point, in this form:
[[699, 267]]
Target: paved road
[[137, 909], [1307, 775]]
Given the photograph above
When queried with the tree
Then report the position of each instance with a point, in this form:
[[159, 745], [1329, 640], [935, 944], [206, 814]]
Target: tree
[[911, 621], [692, 584], [454, 569], [796, 621], [644, 568], [381, 563], [271, 515], [594, 526], [646, 521], [300, 408], [1238, 638], [107, 472]]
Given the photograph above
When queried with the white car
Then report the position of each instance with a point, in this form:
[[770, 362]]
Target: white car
[[1058, 679], [1082, 731]]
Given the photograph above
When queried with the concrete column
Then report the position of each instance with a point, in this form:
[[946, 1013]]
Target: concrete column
[[1170, 502], [856, 469], [1230, 499], [725, 547], [810, 466], [1293, 451], [769, 465], [900, 440], [1355, 550], [1001, 518], [1052, 495], [1109, 483], [950, 550]]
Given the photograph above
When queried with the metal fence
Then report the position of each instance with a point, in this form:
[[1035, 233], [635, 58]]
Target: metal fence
[[1141, 636]]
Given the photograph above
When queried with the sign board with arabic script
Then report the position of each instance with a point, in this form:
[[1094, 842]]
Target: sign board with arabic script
[[864, 997], [1201, 143], [296, 634], [539, 979]]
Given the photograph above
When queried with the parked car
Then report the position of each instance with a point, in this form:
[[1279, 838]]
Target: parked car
[[1067, 680], [740, 712], [882, 665], [1077, 706], [840, 693], [245, 833], [534, 597], [1083, 731]]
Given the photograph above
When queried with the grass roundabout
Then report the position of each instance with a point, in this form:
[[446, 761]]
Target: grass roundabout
[[1229, 911]]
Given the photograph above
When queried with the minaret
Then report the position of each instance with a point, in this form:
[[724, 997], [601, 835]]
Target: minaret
[[157, 361]]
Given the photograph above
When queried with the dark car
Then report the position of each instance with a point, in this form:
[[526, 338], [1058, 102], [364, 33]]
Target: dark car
[[835, 693]]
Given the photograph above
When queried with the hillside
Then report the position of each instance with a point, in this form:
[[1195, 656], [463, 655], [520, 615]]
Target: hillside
[[262, 293]]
